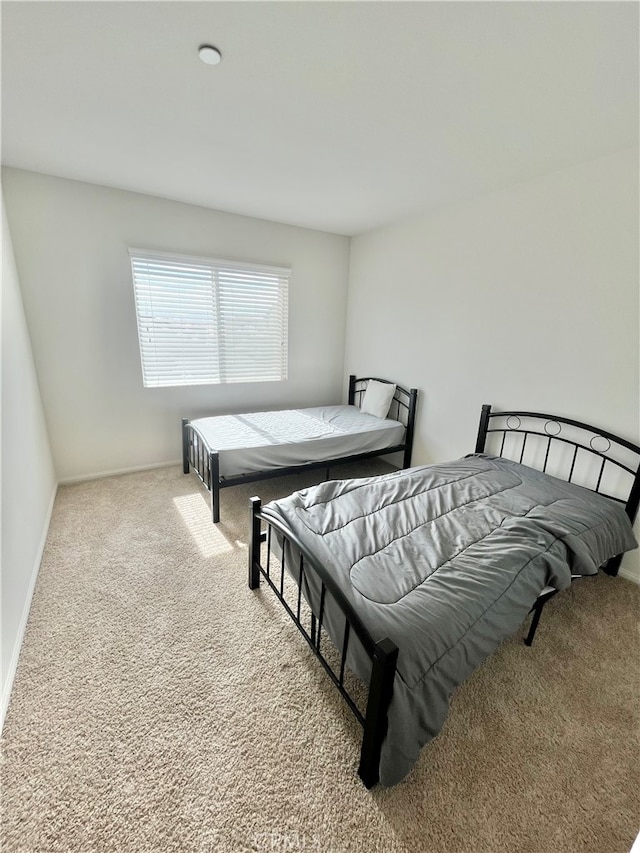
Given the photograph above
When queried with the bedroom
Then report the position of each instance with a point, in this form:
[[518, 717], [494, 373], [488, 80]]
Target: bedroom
[[490, 255]]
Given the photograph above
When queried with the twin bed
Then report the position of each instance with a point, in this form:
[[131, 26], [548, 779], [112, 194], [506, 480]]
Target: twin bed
[[411, 579], [229, 450]]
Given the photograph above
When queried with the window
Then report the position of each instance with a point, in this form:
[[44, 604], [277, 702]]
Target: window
[[205, 321]]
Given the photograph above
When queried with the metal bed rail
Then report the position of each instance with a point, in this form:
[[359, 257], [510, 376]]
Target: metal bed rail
[[382, 653]]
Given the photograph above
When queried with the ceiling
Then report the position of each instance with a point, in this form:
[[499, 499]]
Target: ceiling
[[340, 116]]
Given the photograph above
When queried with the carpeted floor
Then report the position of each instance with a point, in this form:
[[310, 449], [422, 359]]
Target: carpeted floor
[[159, 705]]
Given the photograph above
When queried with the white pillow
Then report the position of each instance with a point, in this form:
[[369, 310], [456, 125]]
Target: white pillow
[[377, 398]]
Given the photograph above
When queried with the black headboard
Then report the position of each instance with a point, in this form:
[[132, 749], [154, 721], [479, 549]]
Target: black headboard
[[591, 457], [402, 408]]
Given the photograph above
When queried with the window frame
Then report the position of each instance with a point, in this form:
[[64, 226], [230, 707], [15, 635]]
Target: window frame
[[230, 361]]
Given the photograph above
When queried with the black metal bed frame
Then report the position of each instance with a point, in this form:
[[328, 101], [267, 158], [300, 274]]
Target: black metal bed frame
[[205, 460], [297, 561], [382, 653], [550, 431]]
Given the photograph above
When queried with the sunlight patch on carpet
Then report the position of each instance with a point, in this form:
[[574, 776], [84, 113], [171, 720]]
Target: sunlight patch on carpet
[[196, 514]]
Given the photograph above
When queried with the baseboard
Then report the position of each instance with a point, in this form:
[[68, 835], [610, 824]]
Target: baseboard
[[629, 576], [13, 665], [113, 472]]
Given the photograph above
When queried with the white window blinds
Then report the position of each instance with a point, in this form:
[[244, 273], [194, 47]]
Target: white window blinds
[[206, 321]]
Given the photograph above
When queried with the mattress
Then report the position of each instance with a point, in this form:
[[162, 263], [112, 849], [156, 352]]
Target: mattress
[[265, 441], [446, 561]]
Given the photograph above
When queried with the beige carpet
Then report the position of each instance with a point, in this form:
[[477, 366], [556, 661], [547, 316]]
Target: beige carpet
[[159, 705]]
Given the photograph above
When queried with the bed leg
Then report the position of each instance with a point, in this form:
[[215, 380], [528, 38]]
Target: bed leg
[[254, 543], [537, 613], [214, 485], [375, 728], [408, 439], [613, 566], [185, 446]]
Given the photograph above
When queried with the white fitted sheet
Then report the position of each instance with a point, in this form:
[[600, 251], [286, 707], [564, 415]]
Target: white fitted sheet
[[265, 441]]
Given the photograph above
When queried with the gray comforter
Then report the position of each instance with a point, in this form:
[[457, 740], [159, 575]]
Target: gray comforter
[[446, 561]]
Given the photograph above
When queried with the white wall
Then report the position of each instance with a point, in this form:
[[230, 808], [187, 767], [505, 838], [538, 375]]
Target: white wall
[[28, 480], [526, 298], [71, 240]]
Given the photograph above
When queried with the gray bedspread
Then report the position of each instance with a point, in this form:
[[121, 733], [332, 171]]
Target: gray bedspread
[[447, 561]]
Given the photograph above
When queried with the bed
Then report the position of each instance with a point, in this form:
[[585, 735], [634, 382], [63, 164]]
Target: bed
[[229, 450], [411, 579]]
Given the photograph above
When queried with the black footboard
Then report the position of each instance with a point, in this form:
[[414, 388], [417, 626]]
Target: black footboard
[[204, 462], [315, 585]]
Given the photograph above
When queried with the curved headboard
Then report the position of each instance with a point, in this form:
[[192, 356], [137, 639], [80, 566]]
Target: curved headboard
[[403, 403], [402, 408], [571, 450]]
